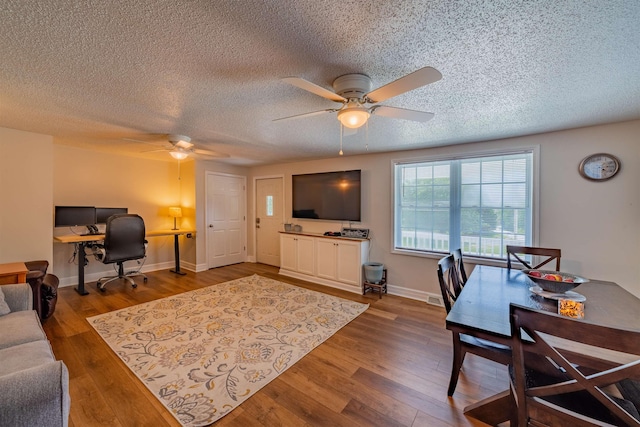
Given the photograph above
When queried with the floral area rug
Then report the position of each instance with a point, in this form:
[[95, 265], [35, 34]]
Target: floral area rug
[[203, 352]]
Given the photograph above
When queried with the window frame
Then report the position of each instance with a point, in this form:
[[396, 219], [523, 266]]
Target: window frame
[[459, 155]]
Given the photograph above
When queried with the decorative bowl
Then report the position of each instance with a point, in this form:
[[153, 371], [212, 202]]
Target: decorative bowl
[[554, 281]]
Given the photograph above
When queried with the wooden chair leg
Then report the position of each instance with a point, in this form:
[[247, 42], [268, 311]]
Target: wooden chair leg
[[458, 359]]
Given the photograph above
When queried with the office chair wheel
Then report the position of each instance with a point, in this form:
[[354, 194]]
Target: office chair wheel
[[145, 280], [100, 287], [134, 285]]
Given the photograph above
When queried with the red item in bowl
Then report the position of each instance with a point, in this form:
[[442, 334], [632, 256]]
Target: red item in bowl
[[554, 281]]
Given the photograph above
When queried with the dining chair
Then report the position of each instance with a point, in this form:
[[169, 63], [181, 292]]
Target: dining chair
[[450, 288], [554, 386], [518, 251], [457, 256]]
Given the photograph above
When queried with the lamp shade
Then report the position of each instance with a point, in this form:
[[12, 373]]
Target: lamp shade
[[353, 116], [175, 212], [178, 154]]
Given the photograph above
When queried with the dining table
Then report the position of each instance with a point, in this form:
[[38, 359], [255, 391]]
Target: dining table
[[482, 310]]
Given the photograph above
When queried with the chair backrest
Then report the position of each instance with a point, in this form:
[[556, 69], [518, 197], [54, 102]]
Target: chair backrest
[[449, 279], [457, 256], [124, 238], [549, 253], [554, 386]]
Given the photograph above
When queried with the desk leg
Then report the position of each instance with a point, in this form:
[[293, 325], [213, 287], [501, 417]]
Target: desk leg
[[81, 262], [176, 250]]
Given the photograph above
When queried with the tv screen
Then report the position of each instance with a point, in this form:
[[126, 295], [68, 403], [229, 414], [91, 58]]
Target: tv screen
[[103, 213], [71, 216], [328, 196]]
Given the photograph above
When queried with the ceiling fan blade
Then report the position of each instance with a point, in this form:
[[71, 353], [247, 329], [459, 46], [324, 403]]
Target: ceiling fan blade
[[314, 88], [299, 116], [209, 153], [419, 78], [402, 113], [156, 151]]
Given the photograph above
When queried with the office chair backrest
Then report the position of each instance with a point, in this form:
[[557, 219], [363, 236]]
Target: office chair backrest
[[558, 387], [517, 251], [449, 279], [124, 238]]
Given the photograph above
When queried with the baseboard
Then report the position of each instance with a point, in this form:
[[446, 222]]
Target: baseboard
[[400, 291], [427, 297], [321, 281], [147, 268]]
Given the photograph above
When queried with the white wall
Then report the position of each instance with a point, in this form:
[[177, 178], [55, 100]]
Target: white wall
[[145, 187], [597, 225], [26, 194]]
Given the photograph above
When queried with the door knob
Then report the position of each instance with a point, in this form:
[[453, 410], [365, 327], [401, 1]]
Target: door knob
[[210, 225]]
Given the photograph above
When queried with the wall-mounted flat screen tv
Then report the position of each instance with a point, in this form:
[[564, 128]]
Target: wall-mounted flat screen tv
[[329, 196], [72, 216]]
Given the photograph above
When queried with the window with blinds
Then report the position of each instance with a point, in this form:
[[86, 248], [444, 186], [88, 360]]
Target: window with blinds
[[478, 204]]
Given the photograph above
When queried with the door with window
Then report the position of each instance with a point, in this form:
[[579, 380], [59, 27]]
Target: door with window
[[226, 195], [269, 220]]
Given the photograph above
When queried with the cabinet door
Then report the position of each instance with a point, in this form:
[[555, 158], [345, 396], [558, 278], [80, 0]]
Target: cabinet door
[[306, 255], [288, 256], [348, 263], [326, 250]]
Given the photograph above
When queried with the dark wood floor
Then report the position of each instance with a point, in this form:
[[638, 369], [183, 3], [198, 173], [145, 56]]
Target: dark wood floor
[[389, 367]]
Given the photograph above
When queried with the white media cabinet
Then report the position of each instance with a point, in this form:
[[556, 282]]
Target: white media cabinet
[[327, 260]]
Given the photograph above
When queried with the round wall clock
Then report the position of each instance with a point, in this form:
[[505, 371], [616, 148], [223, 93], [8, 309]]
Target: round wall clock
[[599, 167]]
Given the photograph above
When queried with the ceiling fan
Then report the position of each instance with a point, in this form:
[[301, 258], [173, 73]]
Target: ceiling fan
[[359, 102], [180, 147]]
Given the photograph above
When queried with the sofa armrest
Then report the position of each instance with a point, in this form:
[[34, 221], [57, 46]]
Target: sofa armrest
[[36, 397], [19, 296]]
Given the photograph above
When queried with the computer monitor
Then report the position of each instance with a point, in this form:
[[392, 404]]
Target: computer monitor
[[102, 214], [72, 216]]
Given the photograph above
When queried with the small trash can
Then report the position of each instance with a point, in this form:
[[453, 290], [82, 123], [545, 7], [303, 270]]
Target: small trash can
[[373, 272]]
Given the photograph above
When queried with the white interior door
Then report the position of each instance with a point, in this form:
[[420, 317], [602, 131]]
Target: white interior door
[[225, 216], [269, 220]]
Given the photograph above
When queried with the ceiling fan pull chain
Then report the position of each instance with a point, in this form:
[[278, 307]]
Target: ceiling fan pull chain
[[341, 131], [366, 136]]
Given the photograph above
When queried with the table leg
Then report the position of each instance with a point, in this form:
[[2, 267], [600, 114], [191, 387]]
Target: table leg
[[82, 259], [492, 410], [176, 250]]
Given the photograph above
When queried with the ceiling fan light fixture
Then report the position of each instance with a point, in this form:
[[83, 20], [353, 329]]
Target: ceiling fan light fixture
[[180, 141], [353, 115], [178, 154]]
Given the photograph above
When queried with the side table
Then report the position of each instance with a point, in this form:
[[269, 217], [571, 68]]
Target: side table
[[380, 286], [13, 272]]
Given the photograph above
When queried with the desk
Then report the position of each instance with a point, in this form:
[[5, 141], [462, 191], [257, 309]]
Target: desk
[[176, 245], [13, 272], [482, 310], [84, 241]]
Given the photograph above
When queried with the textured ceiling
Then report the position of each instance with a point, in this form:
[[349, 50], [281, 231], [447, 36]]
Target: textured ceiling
[[100, 74]]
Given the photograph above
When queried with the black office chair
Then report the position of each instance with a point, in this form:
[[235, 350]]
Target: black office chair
[[123, 241]]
